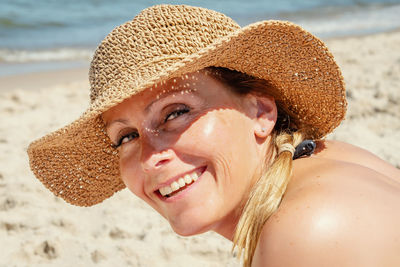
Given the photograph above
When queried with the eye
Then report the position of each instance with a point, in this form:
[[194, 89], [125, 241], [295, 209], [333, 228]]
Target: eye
[[176, 113], [126, 138]]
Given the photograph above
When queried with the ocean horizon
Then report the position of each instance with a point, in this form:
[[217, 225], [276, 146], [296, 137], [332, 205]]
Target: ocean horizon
[[46, 31]]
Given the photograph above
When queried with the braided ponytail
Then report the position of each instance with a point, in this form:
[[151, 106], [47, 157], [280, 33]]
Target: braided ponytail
[[266, 195]]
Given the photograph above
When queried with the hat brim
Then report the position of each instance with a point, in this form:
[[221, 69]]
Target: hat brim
[[307, 83]]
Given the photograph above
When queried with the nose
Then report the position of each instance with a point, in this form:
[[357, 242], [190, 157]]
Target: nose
[[157, 160], [155, 156]]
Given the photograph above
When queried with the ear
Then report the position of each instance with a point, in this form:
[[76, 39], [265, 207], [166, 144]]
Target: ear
[[265, 115]]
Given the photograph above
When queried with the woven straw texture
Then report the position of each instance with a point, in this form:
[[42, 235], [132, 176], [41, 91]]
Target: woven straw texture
[[78, 162]]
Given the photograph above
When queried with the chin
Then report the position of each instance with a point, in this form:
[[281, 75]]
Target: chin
[[189, 230], [185, 225]]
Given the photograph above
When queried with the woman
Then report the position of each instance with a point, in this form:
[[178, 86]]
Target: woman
[[212, 125]]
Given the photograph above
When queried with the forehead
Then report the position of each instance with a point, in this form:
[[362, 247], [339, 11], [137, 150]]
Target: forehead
[[185, 83], [189, 83]]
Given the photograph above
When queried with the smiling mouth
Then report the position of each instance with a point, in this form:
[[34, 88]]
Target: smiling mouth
[[181, 183]]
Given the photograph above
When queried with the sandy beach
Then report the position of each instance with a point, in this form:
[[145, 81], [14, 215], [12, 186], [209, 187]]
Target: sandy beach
[[38, 229]]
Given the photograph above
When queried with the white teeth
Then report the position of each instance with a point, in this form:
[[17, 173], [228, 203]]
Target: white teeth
[[194, 176], [168, 190], [175, 186], [188, 179], [181, 182], [162, 191], [165, 190]]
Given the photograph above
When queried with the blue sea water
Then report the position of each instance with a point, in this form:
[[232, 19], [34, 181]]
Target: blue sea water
[[62, 30]]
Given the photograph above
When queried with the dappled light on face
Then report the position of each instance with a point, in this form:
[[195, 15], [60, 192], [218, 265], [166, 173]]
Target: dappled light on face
[[206, 115], [185, 84], [152, 131]]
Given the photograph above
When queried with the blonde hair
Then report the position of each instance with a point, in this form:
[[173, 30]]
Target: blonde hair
[[270, 186], [265, 195]]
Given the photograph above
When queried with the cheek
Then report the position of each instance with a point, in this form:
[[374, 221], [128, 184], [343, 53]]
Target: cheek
[[223, 136], [227, 130], [130, 174]]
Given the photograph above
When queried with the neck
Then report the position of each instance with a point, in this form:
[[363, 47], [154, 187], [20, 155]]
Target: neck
[[227, 226]]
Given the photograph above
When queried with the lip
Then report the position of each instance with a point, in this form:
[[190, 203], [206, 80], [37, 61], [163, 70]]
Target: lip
[[202, 169]]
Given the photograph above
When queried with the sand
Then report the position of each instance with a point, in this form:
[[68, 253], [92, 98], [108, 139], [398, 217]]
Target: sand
[[38, 229]]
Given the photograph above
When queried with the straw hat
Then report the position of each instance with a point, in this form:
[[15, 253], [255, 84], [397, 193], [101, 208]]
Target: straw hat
[[78, 162]]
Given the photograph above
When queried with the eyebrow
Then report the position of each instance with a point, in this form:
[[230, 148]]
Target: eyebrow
[[162, 96], [148, 107], [108, 124]]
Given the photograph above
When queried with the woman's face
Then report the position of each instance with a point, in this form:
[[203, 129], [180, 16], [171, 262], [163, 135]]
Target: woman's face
[[189, 148]]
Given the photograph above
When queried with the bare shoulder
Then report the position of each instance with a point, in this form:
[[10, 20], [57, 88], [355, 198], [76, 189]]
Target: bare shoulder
[[334, 213], [342, 151]]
